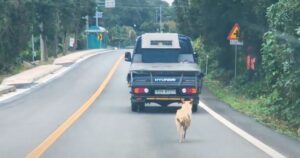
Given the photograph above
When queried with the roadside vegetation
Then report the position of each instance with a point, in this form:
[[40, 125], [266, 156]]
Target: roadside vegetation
[[50, 22], [270, 30], [257, 108], [135, 17], [54, 22]]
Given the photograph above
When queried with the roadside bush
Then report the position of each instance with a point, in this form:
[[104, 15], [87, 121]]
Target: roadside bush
[[281, 60]]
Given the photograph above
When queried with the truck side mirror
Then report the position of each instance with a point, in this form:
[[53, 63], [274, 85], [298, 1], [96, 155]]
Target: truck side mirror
[[128, 56], [201, 75], [195, 57]]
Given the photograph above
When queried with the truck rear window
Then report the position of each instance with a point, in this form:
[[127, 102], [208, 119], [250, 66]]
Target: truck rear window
[[162, 56], [161, 43]]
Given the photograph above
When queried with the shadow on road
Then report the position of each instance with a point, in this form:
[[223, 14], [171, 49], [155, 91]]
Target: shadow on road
[[158, 109], [167, 110]]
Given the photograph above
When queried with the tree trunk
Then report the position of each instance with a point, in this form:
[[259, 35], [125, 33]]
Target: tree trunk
[[45, 48], [56, 45], [66, 43], [42, 48]]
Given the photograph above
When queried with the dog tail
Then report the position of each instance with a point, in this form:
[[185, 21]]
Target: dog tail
[[181, 122]]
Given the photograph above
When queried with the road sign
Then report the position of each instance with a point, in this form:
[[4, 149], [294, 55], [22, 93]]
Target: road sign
[[234, 33], [72, 42], [100, 36], [99, 14], [110, 4], [236, 42]]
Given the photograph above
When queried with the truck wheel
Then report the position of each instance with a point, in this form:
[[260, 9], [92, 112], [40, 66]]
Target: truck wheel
[[137, 107], [134, 107], [195, 108], [141, 107]]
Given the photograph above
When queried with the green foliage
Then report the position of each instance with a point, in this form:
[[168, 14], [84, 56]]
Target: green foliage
[[122, 36], [213, 19], [270, 27], [142, 15], [57, 20], [20, 19], [257, 107], [14, 34], [281, 60]]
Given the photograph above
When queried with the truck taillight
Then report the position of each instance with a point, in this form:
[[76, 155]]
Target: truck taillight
[[140, 90], [189, 90]]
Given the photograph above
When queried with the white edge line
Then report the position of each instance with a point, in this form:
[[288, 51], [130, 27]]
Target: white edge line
[[259, 144]]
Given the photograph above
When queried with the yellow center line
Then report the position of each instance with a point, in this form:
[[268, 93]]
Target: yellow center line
[[40, 149]]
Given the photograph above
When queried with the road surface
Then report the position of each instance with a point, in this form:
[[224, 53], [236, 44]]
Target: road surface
[[109, 129]]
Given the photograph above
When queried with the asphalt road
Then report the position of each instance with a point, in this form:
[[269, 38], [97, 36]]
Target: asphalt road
[[109, 129]]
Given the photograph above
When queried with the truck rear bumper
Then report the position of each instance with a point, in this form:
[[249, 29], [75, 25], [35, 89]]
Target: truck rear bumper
[[159, 99]]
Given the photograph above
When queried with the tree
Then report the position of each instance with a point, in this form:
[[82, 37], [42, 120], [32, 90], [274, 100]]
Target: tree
[[143, 15], [14, 34], [281, 60], [54, 20], [212, 20]]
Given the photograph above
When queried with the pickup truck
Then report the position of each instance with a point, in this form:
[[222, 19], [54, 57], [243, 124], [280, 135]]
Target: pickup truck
[[163, 70]]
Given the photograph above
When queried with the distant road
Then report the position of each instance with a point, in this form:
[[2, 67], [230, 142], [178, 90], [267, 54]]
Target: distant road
[[108, 128]]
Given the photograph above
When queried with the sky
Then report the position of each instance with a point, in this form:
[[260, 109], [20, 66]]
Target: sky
[[169, 1]]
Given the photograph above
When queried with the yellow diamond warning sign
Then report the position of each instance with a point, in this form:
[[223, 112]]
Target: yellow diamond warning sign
[[234, 33]]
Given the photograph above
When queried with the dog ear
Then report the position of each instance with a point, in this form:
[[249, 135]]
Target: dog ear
[[191, 101]]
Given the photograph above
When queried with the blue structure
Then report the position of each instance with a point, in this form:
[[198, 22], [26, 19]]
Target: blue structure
[[97, 37]]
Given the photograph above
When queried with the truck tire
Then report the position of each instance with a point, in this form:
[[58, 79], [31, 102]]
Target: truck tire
[[134, 107], [195, 107], [141, 107], [137, 107]]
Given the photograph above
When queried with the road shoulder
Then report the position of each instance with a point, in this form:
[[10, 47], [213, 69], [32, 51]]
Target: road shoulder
[[281, 143]]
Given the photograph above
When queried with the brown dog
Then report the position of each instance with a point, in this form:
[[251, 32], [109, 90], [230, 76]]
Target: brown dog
[[183, 118]]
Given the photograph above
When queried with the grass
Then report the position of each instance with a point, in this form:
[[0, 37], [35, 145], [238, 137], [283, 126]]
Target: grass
[[255, 108], [2, 77]]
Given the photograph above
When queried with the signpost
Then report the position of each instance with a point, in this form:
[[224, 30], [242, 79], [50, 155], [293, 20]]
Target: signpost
[[97, 16], [71, 42], [236, 42], [233, 37]]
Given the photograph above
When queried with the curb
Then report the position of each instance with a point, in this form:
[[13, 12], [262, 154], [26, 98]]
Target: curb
[[73, 57], [6, 89], [30, 76]]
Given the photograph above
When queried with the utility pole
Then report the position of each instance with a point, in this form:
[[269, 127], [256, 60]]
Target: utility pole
[[33, 49], [86, 29], [160, 20], [206, 64], [235, 61], [42, 45], [155, 19], [96, 16]]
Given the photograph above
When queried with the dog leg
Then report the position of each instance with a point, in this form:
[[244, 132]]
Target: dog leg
[[182, 134]]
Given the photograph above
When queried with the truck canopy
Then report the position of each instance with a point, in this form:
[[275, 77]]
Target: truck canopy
[[160, 41], [171, 41]]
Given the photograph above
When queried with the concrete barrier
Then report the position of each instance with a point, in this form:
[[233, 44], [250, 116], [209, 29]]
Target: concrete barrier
[[6, 89], [30, 76], [73, 57]]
